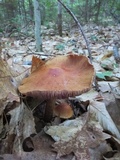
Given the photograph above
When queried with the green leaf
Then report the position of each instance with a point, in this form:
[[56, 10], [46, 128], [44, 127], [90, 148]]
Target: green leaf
[[60, 47], [103, 75], [94, 38], [100, 75]]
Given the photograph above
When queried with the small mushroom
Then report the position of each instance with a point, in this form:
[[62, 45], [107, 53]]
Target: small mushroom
[[58, 78], [63, 110]]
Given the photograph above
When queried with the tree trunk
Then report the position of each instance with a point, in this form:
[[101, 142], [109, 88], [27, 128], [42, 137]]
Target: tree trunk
[[86, 10], [60, 19], [37, 18], [31, 9], [10, 9], [23, 15], [98, 11]]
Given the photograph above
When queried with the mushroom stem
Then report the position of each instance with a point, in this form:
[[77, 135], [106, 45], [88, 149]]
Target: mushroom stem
[[49, 109]]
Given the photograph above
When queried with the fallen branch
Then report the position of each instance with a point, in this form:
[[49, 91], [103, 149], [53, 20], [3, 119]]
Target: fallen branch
[[80, 28], [116, 54]]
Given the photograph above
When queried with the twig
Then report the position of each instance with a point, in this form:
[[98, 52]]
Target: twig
[[116, 54], [80, 28]]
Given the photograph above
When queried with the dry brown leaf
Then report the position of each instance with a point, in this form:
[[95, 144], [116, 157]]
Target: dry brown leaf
[[107, 55], [86, 138], [36, 63], [20, 127], [7, 89], [42, 150]]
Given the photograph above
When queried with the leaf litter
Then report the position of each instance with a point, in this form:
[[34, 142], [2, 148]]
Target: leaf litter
[[93, 133]]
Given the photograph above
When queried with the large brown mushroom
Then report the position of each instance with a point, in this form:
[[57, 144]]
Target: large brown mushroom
[[59, 77]]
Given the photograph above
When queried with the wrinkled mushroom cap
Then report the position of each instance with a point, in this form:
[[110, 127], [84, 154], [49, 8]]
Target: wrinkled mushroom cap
[[60, 77]]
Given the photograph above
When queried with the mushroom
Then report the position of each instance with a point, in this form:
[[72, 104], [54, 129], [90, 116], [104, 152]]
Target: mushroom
[[63, 110], [58, 78]]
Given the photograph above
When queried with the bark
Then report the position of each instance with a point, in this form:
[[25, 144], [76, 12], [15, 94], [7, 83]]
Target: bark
[[31, 9], [37, 17], [86, 10], [98, 11], [23, 15], [60, 19]]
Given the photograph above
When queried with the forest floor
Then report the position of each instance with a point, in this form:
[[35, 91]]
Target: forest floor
[[93, 133]]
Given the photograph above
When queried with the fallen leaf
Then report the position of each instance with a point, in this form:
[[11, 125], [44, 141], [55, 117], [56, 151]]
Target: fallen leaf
[[8, 90], [42, 150], [99, 109], [116, 156], [90, 95], [86, 138], [67, 129], [21, 126], [103, 75]]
